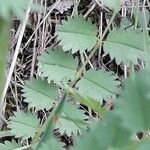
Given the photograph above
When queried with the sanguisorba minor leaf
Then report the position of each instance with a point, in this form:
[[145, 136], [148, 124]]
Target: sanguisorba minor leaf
[[72, 120], [112, 4], [9, 145], [98, 85], [105, 135], [39, 94], [77, 34], [125, 45], [134, 103], [23, 125], [57, 66]]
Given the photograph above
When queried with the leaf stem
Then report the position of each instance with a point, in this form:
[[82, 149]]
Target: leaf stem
[[99, 42], [49, 124]]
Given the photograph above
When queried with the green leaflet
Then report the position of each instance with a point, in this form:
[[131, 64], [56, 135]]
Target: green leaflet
[[5, 133], [71, 120], [125, 45], [23, 125], [9, 145], [112, 4], [134, 103], [57, 66], [39, 94], [94, 105], [126, 22], [77, 34], [98, 85], [104, 135]]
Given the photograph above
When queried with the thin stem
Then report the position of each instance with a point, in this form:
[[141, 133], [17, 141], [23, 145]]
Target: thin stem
[[99, 42], [75, 8], [131, 70], [146, 39], [50, 122], [137, 15]]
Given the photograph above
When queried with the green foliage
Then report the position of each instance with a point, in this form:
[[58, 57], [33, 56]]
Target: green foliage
[[9, 145], [125, 22], [71, 121], [144, 145], [98, 85], [104, 135], [50, 124], [23, 124], [53, 144], [15, 7], [90, 103], [62, 82], [77, 34], [134, 103], [4, 32], [114, 5], [141, 18], [125, 45], [40, 94], [57, 66]]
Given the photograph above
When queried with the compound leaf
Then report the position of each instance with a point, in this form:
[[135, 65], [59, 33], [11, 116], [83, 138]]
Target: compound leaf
[[39, 94], [125, 46], [98, 85], [57, 66], [23, 124], [77, 34]]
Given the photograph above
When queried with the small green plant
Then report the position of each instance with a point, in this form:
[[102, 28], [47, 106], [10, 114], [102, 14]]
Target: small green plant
[[64, 85]]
